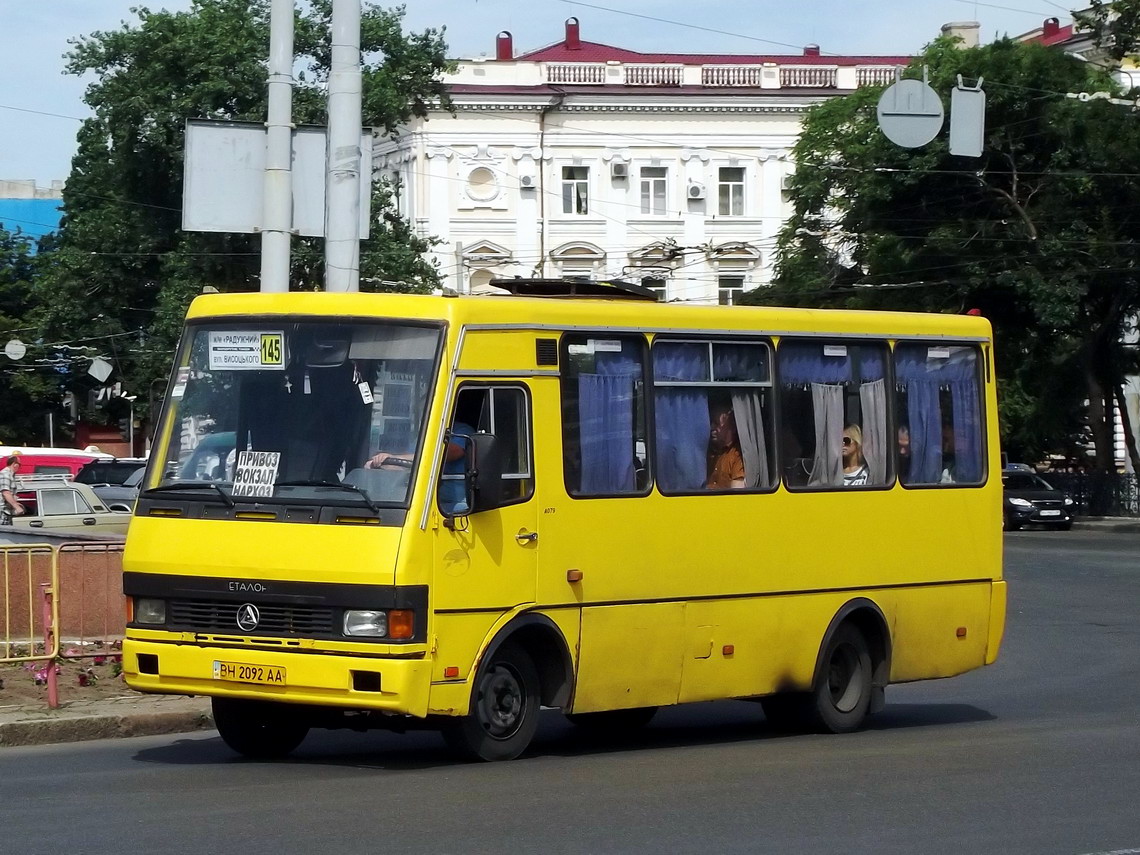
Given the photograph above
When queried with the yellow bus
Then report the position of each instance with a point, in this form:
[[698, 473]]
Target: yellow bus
[[378, 510]]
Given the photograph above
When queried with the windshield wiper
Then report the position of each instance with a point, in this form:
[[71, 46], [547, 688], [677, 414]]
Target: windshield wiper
[[336, 485], [195, 485]]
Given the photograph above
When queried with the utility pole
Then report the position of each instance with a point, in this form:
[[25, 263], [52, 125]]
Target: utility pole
[[277, 210], [342, 182]]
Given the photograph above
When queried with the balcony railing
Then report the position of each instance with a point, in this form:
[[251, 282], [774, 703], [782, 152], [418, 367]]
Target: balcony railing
[[875, 75], [755, 76], [576, 72], [731, 75], [809, 76], [653, 75]]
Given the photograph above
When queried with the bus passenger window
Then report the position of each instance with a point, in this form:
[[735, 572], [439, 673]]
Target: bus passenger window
[[938, 407], [712, 415], [604, 415], [834, 415]]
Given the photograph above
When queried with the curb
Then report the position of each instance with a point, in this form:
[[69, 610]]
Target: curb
[[43, 728], [1106, 524]]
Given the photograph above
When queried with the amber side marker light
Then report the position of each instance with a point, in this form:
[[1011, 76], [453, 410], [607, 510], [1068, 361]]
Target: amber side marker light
[[961, 632], [451, 671], [728, 650], [400, 623]]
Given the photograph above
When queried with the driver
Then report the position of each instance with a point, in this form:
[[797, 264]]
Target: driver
[[452, 493]]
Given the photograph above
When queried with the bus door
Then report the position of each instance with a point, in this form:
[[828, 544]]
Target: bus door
[[488, 560]]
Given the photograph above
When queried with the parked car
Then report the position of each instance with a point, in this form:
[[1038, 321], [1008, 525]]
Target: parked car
[[121, 497], [110, 472], [54, 505], [1030, 499]]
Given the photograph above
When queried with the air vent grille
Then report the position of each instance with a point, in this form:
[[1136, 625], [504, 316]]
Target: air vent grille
[[546, 351]]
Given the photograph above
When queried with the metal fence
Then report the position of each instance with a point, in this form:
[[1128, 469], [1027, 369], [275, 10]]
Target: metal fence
[[60, 602], [1100, 494]]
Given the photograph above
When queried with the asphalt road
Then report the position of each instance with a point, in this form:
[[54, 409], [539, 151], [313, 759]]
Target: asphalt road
[[1036, 754]]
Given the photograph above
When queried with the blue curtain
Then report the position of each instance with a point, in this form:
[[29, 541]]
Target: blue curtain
[[925, 416], [681, 417], [802, 364], [605, 405], [967, 430]]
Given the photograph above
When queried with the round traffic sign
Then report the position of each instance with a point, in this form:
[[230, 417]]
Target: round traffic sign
[[15, 349], [910, 113]]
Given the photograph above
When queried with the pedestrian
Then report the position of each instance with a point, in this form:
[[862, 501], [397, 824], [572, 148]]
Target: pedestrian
[[10, 506]]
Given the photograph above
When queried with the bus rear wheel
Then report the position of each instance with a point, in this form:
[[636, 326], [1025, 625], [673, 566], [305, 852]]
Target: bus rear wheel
[[842, 692], [504, 709], [260, 730]]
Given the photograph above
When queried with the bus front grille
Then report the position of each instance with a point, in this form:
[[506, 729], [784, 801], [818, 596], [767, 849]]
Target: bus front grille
[[215, 616]]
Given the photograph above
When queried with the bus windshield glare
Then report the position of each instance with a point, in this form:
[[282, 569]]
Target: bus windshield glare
[[315, 411]]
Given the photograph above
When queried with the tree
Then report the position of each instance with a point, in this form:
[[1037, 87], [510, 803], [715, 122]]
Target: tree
[[29, 387], [124, 273], [1115, 25], [1039, 234]]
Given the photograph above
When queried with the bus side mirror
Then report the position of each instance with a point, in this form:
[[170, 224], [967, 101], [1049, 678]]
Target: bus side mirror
[[483, 473]]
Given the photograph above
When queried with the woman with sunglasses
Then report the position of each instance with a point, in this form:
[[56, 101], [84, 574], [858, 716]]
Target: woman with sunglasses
[[854, 467]]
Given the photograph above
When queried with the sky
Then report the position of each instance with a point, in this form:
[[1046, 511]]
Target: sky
[[41, 108]]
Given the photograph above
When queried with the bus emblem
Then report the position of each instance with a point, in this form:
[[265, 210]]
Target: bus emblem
[[247, 617]]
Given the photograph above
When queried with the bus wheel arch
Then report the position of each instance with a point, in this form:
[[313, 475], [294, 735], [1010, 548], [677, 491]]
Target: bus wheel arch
[[541, 639], [856, 649]]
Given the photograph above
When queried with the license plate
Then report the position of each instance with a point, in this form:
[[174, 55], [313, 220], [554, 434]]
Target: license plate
[[240, 672], [1050, 513]]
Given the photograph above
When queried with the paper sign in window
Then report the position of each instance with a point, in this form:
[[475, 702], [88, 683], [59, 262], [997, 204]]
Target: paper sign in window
[[256, 472]]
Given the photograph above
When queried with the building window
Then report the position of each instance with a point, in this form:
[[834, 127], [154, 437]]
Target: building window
[[482, 185], [575, 189], [657, 285], [732, 191], [654, 181], [729, 289]]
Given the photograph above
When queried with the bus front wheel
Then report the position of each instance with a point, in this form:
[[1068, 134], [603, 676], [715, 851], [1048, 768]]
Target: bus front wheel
[[259, 730], [504, 709], [842, 692]]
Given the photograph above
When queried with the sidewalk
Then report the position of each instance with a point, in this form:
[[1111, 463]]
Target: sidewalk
[[129, 715], [1114, 524]]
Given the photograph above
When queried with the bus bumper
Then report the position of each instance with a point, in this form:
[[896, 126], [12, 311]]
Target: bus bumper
[[399, 686], [997, 621]]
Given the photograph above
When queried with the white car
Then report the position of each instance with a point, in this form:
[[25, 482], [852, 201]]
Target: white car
[[53, 505]]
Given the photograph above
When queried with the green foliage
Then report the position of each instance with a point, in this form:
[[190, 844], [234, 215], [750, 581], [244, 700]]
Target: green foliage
[[1039, 234], [1115, 25], [27, 389], [123, 272]]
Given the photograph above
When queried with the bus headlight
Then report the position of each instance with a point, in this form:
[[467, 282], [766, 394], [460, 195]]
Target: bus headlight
[[367, 623], [150, 611]]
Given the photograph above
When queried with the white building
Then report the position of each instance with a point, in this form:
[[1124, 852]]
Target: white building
[[582, 159]]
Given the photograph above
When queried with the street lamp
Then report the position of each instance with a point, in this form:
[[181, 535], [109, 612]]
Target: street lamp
[[131, 424]]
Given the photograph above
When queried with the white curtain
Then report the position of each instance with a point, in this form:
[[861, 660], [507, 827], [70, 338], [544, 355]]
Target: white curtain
[[750, 432], [873, 399], [827, 464]]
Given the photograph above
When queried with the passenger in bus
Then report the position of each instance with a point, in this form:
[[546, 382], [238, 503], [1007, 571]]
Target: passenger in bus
[[949, 464], [726, 465], [855, 472], [904, 453]]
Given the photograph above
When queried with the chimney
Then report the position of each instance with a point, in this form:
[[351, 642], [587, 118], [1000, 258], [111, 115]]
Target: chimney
[[967, 31], [504, 47], [1051, 27], [573, 42], [811, 50]]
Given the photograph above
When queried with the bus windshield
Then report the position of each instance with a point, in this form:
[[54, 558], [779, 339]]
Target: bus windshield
[[313, 411]]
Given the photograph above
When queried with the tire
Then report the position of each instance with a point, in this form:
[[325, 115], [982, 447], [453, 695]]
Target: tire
[[259, 730], [842, 693], [504, 709], [612, 721]]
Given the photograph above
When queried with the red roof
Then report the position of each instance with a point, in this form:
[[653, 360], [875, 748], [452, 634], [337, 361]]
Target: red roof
[[1063, 34], [596, 52]]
